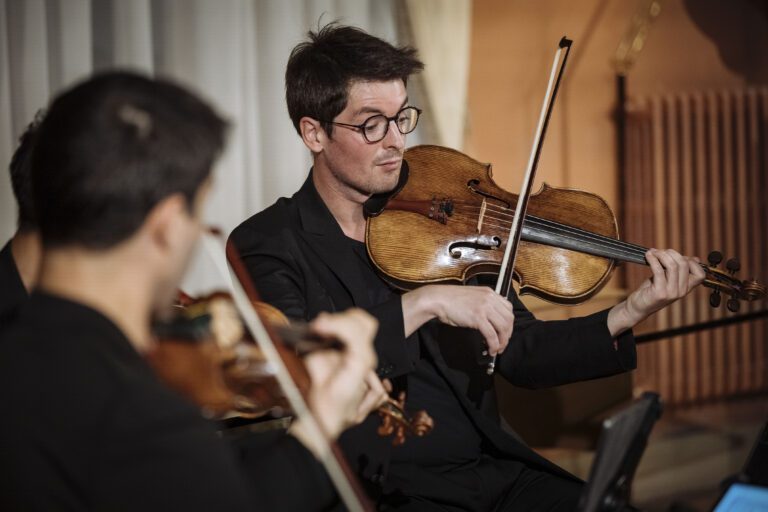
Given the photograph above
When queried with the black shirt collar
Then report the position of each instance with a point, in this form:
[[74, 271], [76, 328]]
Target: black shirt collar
[[74, 320], [12, 291], [317, 218]]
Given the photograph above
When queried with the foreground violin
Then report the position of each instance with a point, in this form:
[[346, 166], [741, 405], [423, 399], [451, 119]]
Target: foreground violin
[[205, 354], [288, 373], [202, 352], [449, 221]]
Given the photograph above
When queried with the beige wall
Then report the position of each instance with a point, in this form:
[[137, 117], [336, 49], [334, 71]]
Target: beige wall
[[513, 43], [698, 44], [693, 45]]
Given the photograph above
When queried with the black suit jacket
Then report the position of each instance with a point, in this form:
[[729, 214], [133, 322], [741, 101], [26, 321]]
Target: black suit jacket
[[12, 291], [301, 263], [88, 426]]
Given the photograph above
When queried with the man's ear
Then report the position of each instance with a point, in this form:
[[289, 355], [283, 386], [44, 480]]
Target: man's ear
[[313, 134], [163, 224]]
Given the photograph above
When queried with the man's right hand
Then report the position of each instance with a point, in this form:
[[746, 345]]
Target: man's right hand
[[344, 385], [476, 307]]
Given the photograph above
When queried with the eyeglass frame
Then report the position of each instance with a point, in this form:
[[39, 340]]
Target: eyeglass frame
[[361, 126]]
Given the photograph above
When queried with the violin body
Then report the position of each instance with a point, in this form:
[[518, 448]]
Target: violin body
[[449, 221], [411, 248], [202, 353], [193, 369]]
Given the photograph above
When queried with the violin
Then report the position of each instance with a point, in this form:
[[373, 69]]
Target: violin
[[205, 354], [288, 372], [448, 221]]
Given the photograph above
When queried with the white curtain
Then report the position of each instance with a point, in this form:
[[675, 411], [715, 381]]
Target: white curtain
[[441, 30], [232, 52]]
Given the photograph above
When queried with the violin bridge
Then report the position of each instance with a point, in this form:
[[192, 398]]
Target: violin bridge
[[482, 215]]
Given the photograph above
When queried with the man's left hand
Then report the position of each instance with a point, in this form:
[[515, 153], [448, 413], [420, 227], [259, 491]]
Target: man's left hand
[[674, 276]]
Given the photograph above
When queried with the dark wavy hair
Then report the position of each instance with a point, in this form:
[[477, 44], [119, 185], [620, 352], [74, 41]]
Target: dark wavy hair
[[321, 70], [21, 175], [111, 148]]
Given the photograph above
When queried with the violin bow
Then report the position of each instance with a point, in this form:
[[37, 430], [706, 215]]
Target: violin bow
[[504, 282], [243, 292]]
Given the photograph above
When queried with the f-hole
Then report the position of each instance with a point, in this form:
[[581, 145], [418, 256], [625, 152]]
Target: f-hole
[[473, 186], [482, 243]]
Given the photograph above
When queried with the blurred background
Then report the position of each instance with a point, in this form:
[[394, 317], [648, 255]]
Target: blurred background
[[663, 112]]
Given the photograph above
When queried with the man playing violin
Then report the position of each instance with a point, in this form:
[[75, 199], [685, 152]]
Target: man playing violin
[[347, 98], [120, 171]]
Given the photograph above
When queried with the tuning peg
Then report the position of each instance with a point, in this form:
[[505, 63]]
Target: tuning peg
[[733, 305], [714, 299], [733, 265], [714, 258], [752, 290]]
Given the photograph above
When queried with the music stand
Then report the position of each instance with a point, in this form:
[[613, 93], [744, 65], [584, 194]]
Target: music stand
[[755, 470], [621, 444], [748, 489]]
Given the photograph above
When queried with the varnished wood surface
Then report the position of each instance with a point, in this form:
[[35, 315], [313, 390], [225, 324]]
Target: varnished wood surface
[[412, 249]]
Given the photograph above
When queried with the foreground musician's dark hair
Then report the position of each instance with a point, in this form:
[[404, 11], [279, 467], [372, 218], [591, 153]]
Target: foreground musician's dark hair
[[118, 144], [320, 70], [21, 180]]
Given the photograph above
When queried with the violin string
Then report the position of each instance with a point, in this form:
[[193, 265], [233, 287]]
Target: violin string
[[619, 247], [630, 250], [537, 221], [619, 252], [573, 234], [576, 234], [503, 212], [558, 228], [733, 284], [549, 226]]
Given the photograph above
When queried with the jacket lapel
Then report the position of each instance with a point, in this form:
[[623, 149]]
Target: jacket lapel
[[325, 237]]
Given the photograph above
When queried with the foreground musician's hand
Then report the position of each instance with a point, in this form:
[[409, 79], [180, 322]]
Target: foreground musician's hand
[[344, 385], [375, 396], [674, 276]]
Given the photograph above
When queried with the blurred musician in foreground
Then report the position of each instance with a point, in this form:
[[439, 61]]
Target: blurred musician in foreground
[[120, 172], [20, 257]]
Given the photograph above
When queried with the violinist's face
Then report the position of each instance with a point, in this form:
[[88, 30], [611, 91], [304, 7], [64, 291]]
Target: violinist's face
[[360, 168]]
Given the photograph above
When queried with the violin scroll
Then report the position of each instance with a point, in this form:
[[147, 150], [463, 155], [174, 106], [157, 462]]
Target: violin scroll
[[725, 282], [395, 421]]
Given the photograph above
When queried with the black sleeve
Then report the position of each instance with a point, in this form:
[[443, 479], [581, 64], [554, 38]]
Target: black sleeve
[[392, 346], [274, 263], [551, 353], [275, 274], [283, 474]]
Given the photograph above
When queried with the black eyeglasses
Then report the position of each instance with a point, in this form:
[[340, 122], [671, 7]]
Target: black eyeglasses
[[375, 128]]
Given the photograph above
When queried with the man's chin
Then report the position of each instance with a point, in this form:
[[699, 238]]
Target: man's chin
[[385, 183]]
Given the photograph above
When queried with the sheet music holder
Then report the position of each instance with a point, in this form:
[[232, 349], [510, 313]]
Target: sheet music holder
[[621, 444], [755, 469]]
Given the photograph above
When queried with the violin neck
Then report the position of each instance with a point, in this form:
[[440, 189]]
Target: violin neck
[[546, 232], [551, 233]]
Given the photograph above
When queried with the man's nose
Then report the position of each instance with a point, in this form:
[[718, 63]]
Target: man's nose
[[394, 139]]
